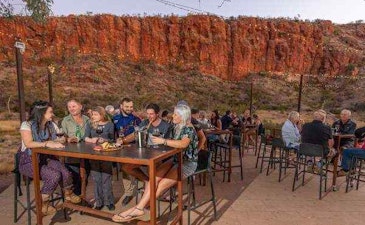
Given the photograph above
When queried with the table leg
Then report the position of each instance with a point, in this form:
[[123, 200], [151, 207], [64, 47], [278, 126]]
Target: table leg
[[83, 179], [257, 138], [229, 163], [152, 176], [180, 189], [37, 191], [335, 165]]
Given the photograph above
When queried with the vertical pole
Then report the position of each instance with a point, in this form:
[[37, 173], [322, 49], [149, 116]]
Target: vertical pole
[[300, 92], [19, 72], [51, 70], [50, 88], [251, 97]]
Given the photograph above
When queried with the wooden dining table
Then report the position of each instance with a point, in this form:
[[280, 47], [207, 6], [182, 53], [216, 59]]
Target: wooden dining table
[[127, 154], [338, 137]]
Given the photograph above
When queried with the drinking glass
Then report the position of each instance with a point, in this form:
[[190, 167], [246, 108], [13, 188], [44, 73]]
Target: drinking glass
[[60, 135], [337, 128], [155, 132], [99, 130]]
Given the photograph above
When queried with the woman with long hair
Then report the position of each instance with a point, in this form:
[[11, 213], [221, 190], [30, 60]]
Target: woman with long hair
[[215, 120], [100, 130], [39, 132], [184, 137]]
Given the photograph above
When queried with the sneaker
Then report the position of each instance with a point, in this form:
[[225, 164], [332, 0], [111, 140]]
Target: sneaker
[[111, 207]]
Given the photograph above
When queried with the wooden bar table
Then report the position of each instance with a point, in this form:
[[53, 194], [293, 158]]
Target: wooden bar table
[[127, 154], [338, 136]]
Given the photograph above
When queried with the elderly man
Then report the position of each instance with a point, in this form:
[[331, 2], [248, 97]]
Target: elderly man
[[345, 126], [316, 132], [358, 151], [290, 131]]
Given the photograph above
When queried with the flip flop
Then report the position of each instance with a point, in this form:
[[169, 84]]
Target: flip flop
[[131, 217], [119, 218]]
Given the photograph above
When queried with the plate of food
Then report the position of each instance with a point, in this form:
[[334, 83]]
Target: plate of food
[[107, 147]]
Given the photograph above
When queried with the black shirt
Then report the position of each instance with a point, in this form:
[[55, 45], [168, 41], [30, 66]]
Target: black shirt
[[226, 122], [345, 128], [196, 124], [316, 133]]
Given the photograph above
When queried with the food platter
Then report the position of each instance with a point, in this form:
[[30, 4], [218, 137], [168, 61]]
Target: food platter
[[107, 147]]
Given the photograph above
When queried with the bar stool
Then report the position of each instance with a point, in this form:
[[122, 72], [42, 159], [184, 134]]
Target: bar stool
[[223, 157], [204, 166], [285, 160], [312, 151], [27, 207], [355, 172]]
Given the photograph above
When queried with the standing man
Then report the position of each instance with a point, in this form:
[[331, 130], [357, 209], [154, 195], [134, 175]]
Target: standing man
[[124, 124], [74, 127]]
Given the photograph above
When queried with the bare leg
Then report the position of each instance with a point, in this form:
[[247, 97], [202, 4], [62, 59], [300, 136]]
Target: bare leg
[[162, 171], [135, 171]]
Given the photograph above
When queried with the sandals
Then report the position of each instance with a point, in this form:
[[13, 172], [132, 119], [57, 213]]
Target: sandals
[[121, 219]]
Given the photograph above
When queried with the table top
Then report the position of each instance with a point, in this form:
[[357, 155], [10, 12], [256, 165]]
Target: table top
[[343, 135], [214, 131], [127, 154]]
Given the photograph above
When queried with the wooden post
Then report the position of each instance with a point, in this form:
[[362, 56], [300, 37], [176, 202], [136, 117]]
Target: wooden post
[[19, 49], [251, 97], [300, 92], [51, 70]]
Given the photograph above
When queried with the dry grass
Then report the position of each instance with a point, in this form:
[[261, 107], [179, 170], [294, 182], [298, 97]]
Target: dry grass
[[9, 141], [9, 125]]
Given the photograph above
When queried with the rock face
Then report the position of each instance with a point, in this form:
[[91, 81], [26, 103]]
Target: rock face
[[229, 49]]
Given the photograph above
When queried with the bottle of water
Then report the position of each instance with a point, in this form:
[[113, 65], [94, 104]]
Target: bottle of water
[[78, 133]]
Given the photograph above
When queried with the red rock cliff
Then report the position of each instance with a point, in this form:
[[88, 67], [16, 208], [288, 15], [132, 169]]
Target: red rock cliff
[[229, 49]]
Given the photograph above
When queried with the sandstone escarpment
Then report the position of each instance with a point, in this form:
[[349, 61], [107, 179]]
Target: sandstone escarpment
[[229, 49]]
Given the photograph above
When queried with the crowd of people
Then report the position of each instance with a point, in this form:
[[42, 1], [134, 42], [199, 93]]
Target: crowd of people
[[295, 131], [181, 128]]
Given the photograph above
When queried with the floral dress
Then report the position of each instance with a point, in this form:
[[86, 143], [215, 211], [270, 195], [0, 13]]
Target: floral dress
[[190, 155]]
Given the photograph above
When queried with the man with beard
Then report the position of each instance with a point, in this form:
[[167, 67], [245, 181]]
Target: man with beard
[[124, 123]]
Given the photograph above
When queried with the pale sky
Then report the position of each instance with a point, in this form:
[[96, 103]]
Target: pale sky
[[338, 11]]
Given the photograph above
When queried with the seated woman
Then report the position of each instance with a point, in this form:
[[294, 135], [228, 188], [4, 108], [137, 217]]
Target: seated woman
[[101, 129], [39, 132], [184, 137]]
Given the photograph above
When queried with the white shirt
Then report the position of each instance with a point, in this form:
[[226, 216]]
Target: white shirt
[[290, 134]]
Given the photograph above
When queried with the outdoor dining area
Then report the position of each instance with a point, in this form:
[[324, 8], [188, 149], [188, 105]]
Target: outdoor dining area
[[180, 166]]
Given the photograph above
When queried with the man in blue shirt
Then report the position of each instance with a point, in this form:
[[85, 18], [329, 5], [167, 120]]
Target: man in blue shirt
[[124, 123]]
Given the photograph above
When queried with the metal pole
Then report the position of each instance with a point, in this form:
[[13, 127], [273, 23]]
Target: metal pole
[[19, 72], [251, 97], [300, 92]]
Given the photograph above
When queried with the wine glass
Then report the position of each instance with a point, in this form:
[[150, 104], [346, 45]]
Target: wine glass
[[99, 130], [337, 128], [60, 133]]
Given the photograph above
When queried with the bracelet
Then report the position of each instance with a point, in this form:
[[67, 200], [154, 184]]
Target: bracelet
[[165, 142]]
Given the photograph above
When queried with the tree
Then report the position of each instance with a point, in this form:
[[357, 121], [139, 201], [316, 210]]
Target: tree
[[39, 10]]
